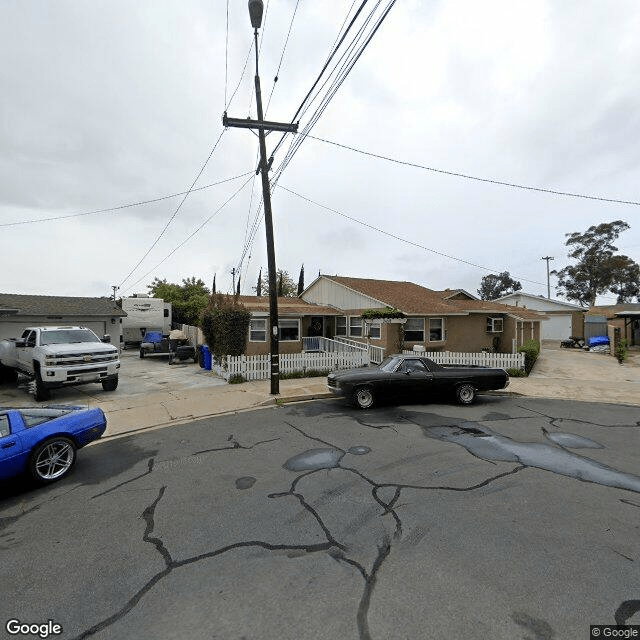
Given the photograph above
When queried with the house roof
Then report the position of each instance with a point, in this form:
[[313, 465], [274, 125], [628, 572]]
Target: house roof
[[413, 299], [287, 306], [541, 301], [611, 311], [28, 305]]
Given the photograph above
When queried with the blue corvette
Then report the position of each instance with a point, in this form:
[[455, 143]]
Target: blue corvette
[[43, 441]]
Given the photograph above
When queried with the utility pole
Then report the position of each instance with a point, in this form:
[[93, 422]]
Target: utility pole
[[115, 288], [255, 13], [547, 258]]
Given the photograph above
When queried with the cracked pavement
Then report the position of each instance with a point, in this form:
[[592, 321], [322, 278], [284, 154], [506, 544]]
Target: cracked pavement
[[513, 518]]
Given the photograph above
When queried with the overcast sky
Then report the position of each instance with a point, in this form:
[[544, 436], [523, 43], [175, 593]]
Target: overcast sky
[[106, 103]]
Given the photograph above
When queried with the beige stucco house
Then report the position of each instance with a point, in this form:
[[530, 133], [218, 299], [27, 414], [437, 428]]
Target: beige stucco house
[[450, 320]]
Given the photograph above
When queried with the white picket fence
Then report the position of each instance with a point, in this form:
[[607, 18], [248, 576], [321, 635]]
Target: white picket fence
[[259, 367], [500, 360]]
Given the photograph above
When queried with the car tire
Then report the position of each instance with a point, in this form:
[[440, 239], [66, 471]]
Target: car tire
[[52, 459], [110, 384], [363, 398], [141, 353], [40, 391], [466, 394]]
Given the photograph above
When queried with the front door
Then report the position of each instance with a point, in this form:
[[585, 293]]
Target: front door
[[316, 326]]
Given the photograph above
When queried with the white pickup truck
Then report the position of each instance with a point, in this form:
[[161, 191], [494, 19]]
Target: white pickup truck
[[58, 357]]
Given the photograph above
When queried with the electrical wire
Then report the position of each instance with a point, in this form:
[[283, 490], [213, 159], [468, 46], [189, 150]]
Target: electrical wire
[[284, 48], [400, 238], [244, 69], [194, 233], [478, 179], [124, 206], [226, 57], [179, 207]]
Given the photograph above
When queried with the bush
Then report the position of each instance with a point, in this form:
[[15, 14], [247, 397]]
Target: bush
[[531, 350], [622, 351], [516, 373], [225, 324], [236, 378]]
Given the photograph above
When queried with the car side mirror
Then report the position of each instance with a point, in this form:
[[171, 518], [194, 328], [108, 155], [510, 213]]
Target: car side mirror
[[106, 338]]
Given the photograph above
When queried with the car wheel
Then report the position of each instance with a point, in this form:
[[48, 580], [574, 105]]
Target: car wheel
[[363, 397], [40, 392], [111, 384], [141, 353], [52, 459], [466, 394]]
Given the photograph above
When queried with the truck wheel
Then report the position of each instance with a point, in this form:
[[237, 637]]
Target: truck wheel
[[466, 394], [363, 398], [8, 375], [40, 392], [52, 459], [111, 384]]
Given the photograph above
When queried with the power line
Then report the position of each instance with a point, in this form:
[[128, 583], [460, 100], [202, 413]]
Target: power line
[[401, 239], [175, 213], [470, 177], [124, 206], [194, 233]]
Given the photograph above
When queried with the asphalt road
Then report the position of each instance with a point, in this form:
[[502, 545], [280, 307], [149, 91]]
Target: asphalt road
[[511, 519]]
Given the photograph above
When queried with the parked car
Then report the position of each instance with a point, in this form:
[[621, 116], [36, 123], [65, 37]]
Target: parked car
[[414, 377], [43, 440]]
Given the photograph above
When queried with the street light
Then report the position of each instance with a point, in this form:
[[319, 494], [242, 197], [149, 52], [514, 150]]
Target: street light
[[255, 13]]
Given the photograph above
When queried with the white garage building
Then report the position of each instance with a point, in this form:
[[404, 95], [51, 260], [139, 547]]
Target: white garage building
[[101, 315], [560, 324]]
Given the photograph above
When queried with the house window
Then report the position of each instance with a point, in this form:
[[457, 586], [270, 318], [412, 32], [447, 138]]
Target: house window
[[436, 329], [495, 325], [374, 329], [414, 330], [289, 330], [355, 326], [258, 330], [341, 325]]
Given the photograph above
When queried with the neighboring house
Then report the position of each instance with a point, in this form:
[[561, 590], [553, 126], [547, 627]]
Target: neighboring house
[[101, 315], [451, 320], [565, 319], [296, 319], [624, 316]]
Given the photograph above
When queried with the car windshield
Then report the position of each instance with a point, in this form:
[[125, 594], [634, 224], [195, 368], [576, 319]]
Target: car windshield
[[66, 336], [389, 363]]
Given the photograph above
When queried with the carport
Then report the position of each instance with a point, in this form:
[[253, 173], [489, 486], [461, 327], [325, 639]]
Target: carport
[[631, 326]]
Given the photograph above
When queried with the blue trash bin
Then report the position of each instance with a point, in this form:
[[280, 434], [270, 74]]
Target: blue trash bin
[[207, 357]]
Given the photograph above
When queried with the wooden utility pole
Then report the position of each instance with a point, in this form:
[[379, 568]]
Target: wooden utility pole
[[547, 258], [255, 12]]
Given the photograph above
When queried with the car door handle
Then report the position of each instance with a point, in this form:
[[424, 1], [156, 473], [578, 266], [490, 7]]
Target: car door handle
[[8, 445]]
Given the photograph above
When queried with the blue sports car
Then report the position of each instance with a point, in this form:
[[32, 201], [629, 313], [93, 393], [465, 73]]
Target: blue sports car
[[43, 441]]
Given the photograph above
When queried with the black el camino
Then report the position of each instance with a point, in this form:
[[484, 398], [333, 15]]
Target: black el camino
[[414, 377]]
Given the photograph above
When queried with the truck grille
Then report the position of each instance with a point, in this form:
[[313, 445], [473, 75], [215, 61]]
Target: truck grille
[[71, 359]]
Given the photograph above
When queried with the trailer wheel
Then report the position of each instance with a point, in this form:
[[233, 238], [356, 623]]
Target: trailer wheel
[[8, 375]]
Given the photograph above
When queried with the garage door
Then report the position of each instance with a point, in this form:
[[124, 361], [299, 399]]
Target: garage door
[[556, 328]]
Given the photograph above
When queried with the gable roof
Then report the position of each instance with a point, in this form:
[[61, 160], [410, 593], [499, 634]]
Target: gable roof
[[413, 299], [27, 305], [541, 301]]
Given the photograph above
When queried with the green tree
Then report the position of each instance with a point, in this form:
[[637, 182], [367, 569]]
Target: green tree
[[301, 280], [594, 270], [285, 285], [495, 286], [625, 279], [188, 300]]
